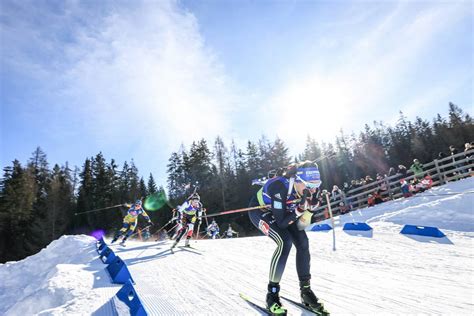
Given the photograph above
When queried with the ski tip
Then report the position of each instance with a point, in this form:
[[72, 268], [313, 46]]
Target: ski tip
[[245, 297]]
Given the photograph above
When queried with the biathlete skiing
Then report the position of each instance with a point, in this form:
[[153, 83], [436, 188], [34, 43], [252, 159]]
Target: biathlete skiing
[[291, 196]]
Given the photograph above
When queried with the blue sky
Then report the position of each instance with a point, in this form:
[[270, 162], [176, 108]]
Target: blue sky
[[136, 79]]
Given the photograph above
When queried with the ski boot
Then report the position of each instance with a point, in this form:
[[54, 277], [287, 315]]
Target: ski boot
[[186, 242], [122, 243], [114, 240], [273, 300], [309, 299], [174, 245]]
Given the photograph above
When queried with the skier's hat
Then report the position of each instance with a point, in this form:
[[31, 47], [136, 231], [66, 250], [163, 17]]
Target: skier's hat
[[308, 173]]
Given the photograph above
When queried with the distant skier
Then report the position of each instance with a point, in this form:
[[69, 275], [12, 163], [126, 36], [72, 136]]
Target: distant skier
[[130, 221], [188, 213], [213, 229], [229, 233], [145, 233], [291, 197]]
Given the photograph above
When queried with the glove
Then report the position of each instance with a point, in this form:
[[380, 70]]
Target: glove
[[299, 211], [306, 198]]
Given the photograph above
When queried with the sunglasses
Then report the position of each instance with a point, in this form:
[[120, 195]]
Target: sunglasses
[[311, 185]]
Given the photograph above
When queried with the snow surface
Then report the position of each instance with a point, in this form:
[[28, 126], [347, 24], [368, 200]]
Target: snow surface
[[65, 278], [380, 272]]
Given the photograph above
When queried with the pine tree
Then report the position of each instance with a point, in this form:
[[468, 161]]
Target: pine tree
[[18, 195], [38, 236], [253, 161], [151, 185], [134, 182], [85, 199], [279, 154], [143, 189], [176, 177], [59, 202]]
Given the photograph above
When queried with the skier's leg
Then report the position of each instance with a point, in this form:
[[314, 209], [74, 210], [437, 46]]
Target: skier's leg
[[179, 227], [303, 260], [180, 234], [120, 232], [130, 231], [266, 224], [189, 234], [303, 257]]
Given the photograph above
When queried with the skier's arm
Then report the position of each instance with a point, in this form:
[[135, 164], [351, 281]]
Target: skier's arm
[[278, 194], [146, 217]]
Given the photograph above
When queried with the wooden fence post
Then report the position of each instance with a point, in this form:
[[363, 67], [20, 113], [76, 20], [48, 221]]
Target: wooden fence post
[[438, 170]]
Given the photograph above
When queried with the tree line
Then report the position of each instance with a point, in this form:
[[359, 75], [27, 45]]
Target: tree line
[[38, 203]]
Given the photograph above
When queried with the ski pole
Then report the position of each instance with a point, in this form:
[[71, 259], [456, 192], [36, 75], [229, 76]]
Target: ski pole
[[162, 227], [332, 220], [246, 209], [97, 210], [207, 222], [139, 230]]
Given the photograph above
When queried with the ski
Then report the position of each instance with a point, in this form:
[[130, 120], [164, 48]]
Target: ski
[[254, 305], [323, 312], [191, 250], [190, 247]]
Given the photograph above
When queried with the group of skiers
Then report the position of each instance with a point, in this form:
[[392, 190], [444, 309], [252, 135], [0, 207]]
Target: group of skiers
[[185, 217], [282, 210]]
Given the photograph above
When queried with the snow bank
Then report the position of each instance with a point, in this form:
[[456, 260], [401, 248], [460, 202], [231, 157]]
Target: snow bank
[[65, 277]]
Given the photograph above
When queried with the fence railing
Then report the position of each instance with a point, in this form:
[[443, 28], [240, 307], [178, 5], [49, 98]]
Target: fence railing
[[443, 170]]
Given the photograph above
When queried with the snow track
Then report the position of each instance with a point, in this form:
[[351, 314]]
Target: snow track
[[378, 273]]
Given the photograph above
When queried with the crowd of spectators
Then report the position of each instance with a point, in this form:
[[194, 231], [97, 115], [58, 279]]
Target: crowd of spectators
[[419, 180]]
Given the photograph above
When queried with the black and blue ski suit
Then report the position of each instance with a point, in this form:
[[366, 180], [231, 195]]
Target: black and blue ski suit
[[279, 223]]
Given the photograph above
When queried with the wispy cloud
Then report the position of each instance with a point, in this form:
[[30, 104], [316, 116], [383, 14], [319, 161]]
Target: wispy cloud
[[376, 72], [136, 75]]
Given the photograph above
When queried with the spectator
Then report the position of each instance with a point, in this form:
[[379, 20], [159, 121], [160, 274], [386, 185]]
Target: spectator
[[368, 179], [383, 185], [346, 187], [391, 171], [370, 200], [453, 151], [354, 185], [405, 188], [347, 200], [417, 168], [402, 170], [441, 155], [336, 193], [427, 182], [344, 208], [416, 185], [377, 197]]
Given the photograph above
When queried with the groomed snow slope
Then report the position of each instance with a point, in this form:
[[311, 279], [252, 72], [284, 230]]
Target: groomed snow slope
[[380, 273]]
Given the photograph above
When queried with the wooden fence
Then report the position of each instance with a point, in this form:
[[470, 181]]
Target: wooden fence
[[450, 168]]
